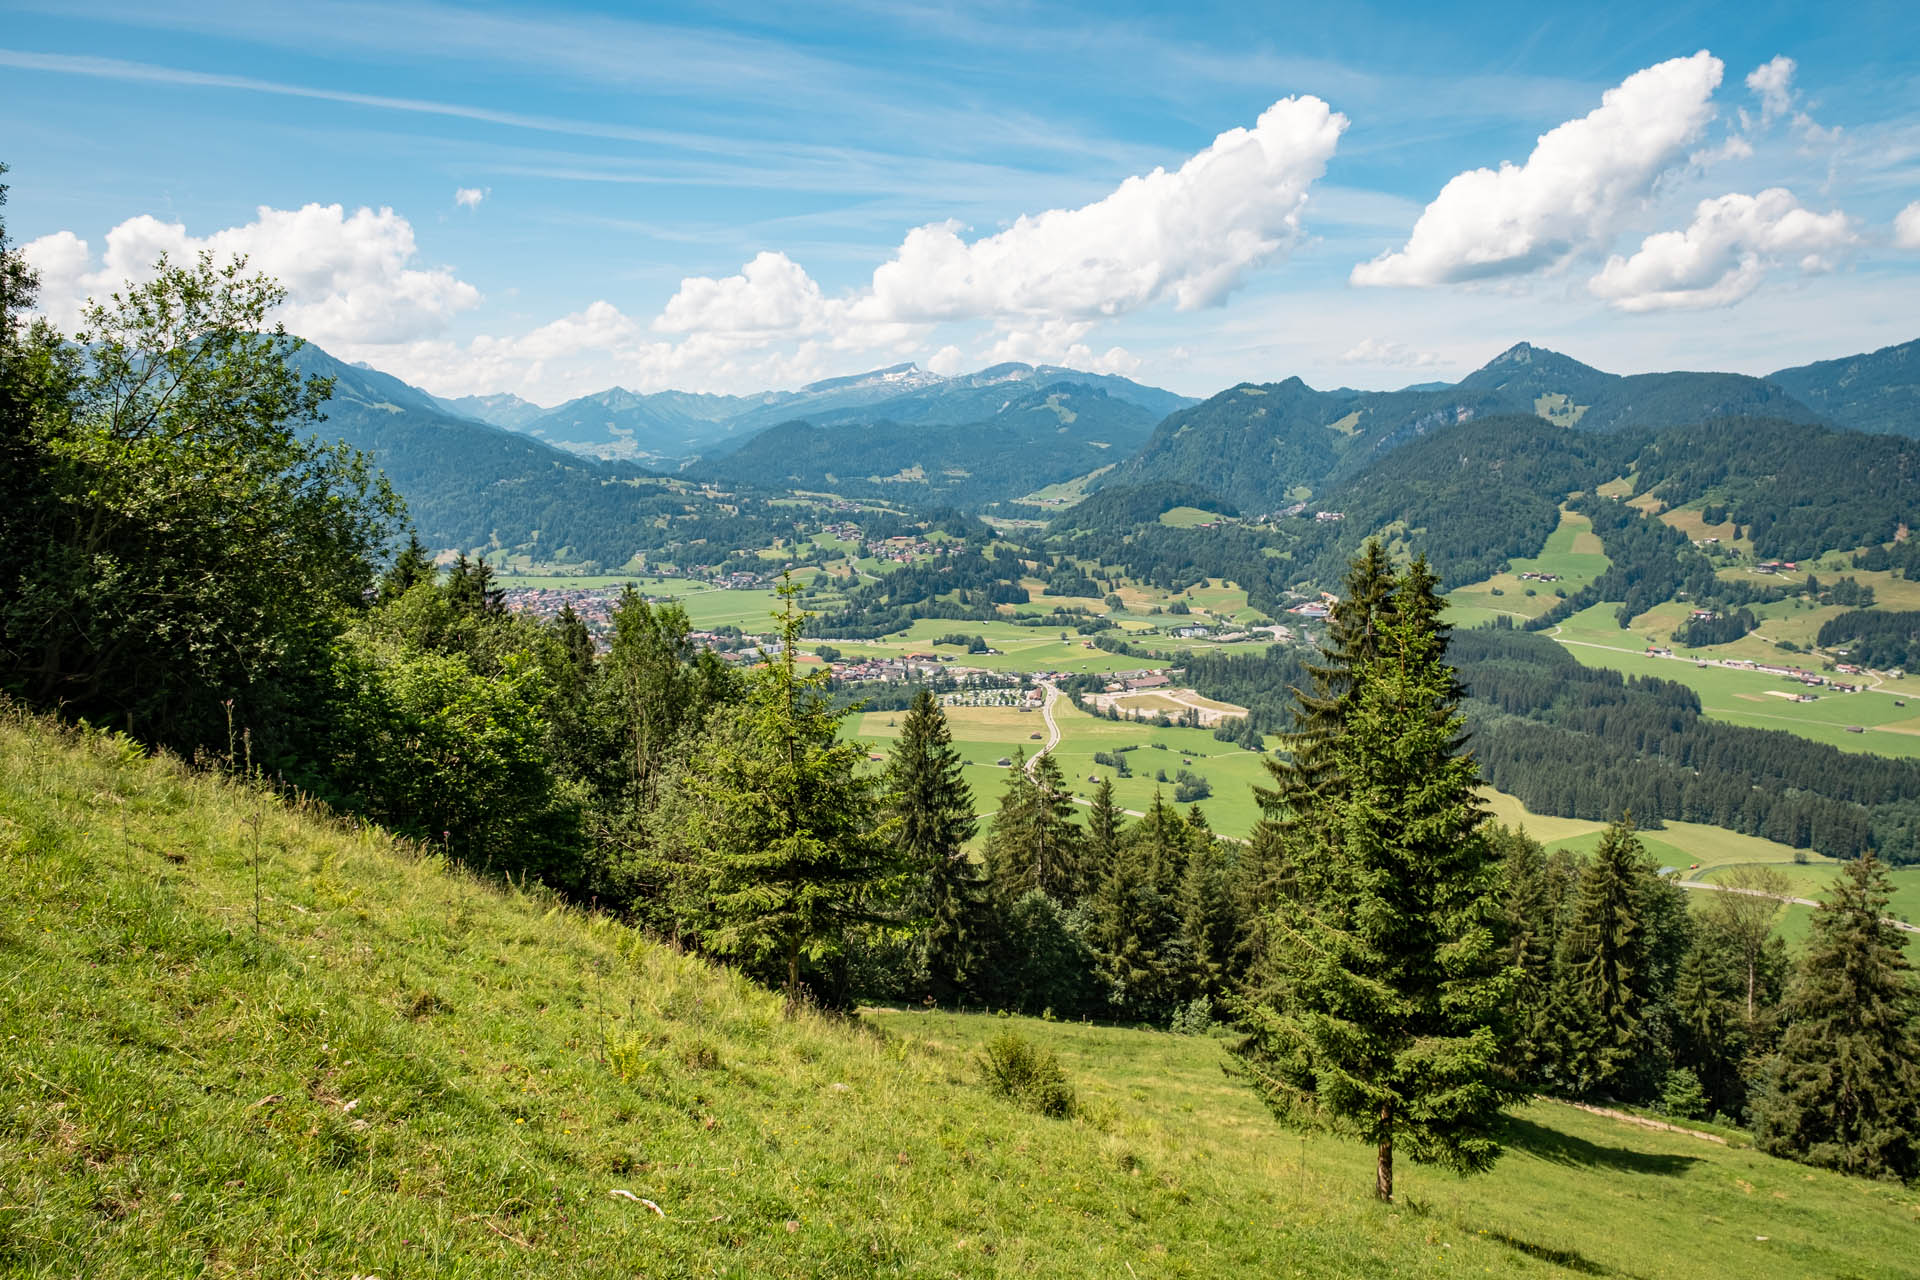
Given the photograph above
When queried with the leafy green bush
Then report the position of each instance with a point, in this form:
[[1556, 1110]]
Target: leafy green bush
[[1189, 786], [1017, 1068]]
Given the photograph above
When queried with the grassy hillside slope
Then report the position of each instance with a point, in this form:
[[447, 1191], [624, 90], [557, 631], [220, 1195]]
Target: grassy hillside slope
[[403, 1071]]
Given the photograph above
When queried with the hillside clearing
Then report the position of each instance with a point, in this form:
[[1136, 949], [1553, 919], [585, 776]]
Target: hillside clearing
[[406, 1070]]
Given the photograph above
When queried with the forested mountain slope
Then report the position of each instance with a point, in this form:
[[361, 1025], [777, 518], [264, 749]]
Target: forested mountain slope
[[1039, 436], [669, 428], [1262, 447], [1799, 490], [1878, 391], [470, 486], [1265, 446], [968, 397]]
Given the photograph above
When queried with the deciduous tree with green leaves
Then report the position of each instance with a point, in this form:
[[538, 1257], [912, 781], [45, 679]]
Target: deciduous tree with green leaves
[[197, 542]]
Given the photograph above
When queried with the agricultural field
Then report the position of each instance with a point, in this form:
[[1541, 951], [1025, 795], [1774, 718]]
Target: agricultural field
[[985, 735], [1572, 552], [1065, 493], [1888, 714], [1704, 854], [1022, 649], [1814, 879], [1691, 520], [1681, 845], [1188, 517]]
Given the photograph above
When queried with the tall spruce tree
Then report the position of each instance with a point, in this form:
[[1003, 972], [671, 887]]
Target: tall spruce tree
[[786, 821], [1845, 1087], [1034, 842], [410, 568], [1207, 921], [1306, 775], [1383, 1016], [1135, 918], [1106, 826], [933, 810], [1536, 892], [1603, 992]]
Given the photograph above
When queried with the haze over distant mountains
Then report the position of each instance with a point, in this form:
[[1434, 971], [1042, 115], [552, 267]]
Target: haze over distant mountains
[[668, 428], [497, 470]]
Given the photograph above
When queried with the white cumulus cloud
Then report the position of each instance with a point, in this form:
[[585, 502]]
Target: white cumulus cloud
[[772, 294], [1190, 235], [1906, 227], [1572, 192], [1375, 353], [1772, 83], [1724, 254], [1185, 236], [349, 278]]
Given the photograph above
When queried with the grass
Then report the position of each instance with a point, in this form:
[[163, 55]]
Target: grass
[[1572, 551], [1064, 494], [1188, 517], [1745, 697], [411, 1071], [984, 735], [1575, 1192]]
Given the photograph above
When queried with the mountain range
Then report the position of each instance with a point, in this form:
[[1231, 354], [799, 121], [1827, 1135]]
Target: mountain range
[[668, 429], [539, 480], [1264, 446]]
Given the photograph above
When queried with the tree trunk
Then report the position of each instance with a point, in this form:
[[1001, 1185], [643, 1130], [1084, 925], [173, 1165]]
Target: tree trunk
[[1383, 1170], [793, 977]]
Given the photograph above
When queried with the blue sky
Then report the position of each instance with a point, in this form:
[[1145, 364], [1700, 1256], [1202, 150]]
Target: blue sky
[[550, 200]]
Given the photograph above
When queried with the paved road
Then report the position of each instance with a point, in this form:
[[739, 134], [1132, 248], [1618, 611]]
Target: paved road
[[1053, 727], [1873, 687], [1711, 887]]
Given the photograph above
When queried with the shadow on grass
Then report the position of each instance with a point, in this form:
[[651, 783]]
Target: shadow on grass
[[1568, 1259], [1563, 1148]]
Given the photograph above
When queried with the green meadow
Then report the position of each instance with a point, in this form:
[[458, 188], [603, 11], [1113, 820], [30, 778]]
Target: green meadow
[[1755, 698], [238, 1039], [1572, 552]]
